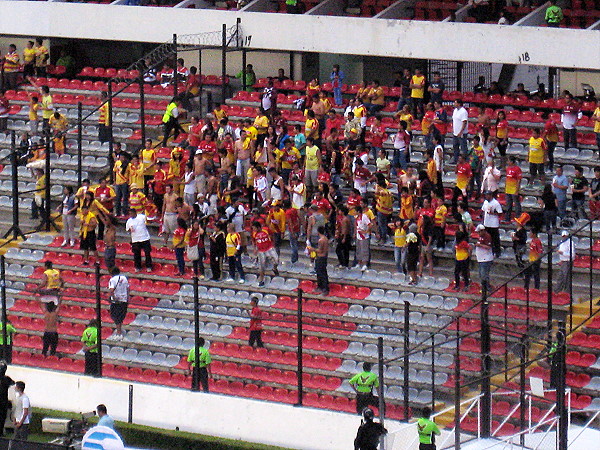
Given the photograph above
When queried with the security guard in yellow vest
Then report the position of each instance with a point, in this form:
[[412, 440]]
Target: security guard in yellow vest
[[90, 348], [363, 384], [170, 120], [427, 430]]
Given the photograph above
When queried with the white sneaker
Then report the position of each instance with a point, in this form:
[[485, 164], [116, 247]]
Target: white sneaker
[[241, 281], [363, 268], [72, 243], [64, 243], [229, 280]]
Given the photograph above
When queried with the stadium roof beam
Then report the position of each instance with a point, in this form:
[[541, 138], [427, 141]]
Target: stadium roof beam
[[403, 9]]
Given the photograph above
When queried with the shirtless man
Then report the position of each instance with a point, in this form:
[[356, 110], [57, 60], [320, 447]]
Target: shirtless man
[[200, 166], [169, 213], [242, 150], [322, 250], [408, 179], [182, 210], [50, 338]]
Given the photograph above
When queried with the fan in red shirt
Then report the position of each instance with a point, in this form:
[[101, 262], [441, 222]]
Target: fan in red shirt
[[255, 328], [208, 146], [463, 176], [333, 121], [195, 132], [265, 250]]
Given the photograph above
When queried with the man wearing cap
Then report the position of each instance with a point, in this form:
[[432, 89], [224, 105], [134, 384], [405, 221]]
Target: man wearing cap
[[519, 238], [491, 220], [512, 189], [485, 257], [276, 223], [566, 252], [363, 384]]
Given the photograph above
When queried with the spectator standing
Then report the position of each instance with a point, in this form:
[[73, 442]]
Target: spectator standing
[[363, 238], [68, 209], [363, 384], [554, 15], [417, 93], [464, 174], [170, 121], [560, 186], [512, 188], [140, 239], [595, 194], [566, 252], [104, 131], [118, 287], [462, 255], [550, 134], [255, 329], [11, 68], [199, 365], [537, 156], [519, 238], [292, 221], [22, 412], [217, 249], [596, 120], [104, 420], [179, 245], [460, 121], [265, 251], [580, 186], [90, 348], [87, 234], [492, 211], [343, 236], [105, 195], [384, 206], [5, 383], [427, 430], [413, 251], [110, 240], [41, 57], [485, 257], [401, 146], [50, 337], [549, 202], [29, 60], [403, 81], [321, 251], [502, 136], [233, 241], [535, 261], [570, 114], [436, 88], [121, 184], [194, 239], [276, 223], [337, 78]]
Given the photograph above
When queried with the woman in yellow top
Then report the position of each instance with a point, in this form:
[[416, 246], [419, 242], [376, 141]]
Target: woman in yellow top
[[233, 243], [537, 156], [363, 92], [41, 58], [261, 123], [176, 171], [596, 120], [148, 158], [399, 244], [93, 205], [135, 172], [51, 282], [311, 126], [29, 60]]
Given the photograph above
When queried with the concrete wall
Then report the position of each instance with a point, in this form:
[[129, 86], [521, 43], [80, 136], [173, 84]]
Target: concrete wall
[[571, 80], [391, 38], [210, 414]]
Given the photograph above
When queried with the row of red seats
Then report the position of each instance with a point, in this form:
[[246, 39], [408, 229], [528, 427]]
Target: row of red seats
[[503, 408], [87, 100], [324, 344], [273, 356], [312, 306], [51, 362], [576, 380], [70, 311], [100, 72], [35, 342], [581, 339], [89, 85], [64, 328], [473, 345]]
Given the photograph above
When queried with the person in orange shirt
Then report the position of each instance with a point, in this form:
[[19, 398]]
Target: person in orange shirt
[[11, 67], [407, 204], [535, 252], [502, 136], [375, 98], [427, 129], [463, 177]]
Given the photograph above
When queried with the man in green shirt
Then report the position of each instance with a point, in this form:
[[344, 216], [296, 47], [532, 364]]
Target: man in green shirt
[[554, 14], [199, 365], [363, 384], [427, 430], [90, 348], [10, 331], [247, 77]]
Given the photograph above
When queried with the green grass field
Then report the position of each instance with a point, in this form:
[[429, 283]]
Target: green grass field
[[148, 437]]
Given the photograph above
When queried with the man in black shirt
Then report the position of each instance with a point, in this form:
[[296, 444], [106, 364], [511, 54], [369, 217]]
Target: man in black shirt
[[5, 383], [580, 187], [404, 83], [436, 88], [369, 432]]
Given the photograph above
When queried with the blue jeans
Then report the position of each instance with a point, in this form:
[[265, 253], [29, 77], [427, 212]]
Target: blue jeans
[[294, 247], [179, 253], [579, 209], [510, 200], [337, 96], [484, 273], [562, 207], [122, 200], [459, 143], [400, 159], [399, 257], [382, 223]]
